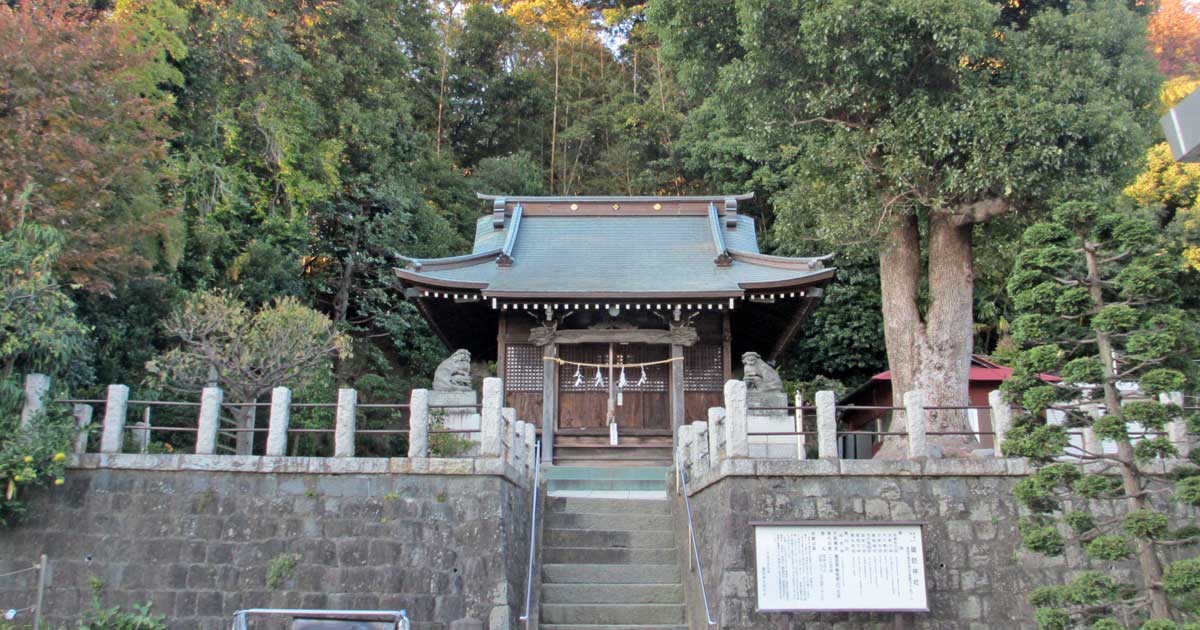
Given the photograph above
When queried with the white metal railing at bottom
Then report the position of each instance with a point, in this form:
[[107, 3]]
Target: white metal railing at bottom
[[396, 619], [533, 513], [681, 474]]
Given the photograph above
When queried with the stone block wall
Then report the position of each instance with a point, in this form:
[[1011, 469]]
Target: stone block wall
[[977, 575], [200, 544]]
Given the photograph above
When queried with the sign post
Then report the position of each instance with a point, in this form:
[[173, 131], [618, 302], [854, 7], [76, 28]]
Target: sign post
[[840, 566]]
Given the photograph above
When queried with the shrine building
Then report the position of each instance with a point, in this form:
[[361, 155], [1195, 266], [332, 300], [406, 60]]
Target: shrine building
[[625, 311]]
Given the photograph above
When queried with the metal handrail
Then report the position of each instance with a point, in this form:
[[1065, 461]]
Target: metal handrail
[[687, 503], [537, 469], [400, 617]]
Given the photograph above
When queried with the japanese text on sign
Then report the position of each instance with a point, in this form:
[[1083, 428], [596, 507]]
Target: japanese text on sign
[[840, 567]]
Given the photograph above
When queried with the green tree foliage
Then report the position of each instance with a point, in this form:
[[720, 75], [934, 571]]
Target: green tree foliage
[[842, 340], [30, 455], [896, 124], [1098, 291], [38, 328], [83, 138], [496, 95], [307, 164], [38, 332], [247, 353], [1170, 187]]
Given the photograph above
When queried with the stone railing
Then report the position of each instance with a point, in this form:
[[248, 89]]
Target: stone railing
[[498, 443], [741, 439]]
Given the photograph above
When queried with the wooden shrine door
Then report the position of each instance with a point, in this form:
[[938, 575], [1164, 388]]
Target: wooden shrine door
[[642, 405]]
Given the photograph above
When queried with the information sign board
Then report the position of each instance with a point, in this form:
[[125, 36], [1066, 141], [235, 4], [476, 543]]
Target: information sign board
[[842, 566]]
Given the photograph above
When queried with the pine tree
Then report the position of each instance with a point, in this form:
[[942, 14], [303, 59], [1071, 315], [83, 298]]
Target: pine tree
[[1097, 292]]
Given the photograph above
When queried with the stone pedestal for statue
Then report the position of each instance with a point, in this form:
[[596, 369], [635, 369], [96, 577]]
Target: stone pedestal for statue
[[776, 419], [452, 403], [456, 411], [768, 410]]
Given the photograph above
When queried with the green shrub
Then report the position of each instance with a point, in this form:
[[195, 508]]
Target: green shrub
[[100, 618]]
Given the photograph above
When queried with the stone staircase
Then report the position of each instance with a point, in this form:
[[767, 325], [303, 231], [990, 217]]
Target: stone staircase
[[608, 561], [577, 449]]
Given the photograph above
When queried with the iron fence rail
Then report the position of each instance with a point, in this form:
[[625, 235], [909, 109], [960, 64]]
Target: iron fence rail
[[398, 617], [533, 513], [681, 475]]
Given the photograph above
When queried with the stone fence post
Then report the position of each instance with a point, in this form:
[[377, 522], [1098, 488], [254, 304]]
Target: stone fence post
[[518, 445], [1177, 429], [36, 386], [418, 423], [83, 422], [914, 410], [826, 402], [510, 433], [716, 435], [278, 422], [737, 442], [141, 432], [346, 423], [1001, 420], [491, 418], [683, 450], [530, 445], [699, 451], [801, 439], [209, 421], [112, 435]]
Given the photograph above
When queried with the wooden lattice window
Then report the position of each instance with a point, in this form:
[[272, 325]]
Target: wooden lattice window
[[574, 378], [523, 367], [703, 368], [658, 377]]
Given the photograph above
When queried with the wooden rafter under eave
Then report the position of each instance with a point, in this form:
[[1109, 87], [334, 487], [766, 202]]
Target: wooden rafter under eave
[[803, 310]]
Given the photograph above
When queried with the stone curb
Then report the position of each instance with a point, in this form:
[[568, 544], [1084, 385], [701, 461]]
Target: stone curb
[[302, 465], [1006, 467], [702, 477]]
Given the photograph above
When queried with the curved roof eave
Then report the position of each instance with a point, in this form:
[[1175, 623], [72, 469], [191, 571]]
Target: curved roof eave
[[420, 278], [450, 262], [812, 263], [799, 281], [809, 278]]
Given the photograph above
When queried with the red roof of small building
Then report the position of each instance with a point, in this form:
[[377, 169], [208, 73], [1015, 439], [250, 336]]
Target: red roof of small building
[[981, 370]]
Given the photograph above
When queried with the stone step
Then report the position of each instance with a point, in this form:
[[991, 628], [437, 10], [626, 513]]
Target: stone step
[[610, 573], [607, 539], [608, 506], [585, 520], [606, 484], [624, 495], [604, 455], [612, 593], [608, 626], [592, 555], [608, 614], [650, 473], [600, 437]]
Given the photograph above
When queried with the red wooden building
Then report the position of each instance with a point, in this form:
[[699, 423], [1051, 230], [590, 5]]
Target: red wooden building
[[633, 310], [983, 378]]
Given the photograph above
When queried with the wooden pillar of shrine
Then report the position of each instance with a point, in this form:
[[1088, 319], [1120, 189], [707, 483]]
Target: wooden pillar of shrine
[[549, 400], [676, 388]]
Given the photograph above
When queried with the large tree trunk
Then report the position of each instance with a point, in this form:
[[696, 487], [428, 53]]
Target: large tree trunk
[[244, 438], [929, 351]]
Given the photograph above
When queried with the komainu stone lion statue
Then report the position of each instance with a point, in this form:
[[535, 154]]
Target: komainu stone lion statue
[[760, 377], [454, 374]]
